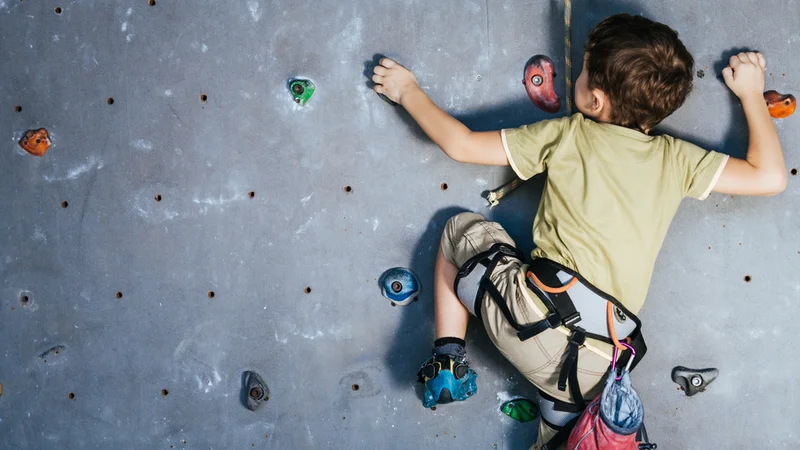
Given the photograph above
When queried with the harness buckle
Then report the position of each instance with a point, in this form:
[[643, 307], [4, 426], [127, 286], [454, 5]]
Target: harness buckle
[[571, 319]]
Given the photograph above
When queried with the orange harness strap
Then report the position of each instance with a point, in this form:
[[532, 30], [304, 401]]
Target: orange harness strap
[[551, 290], [611, 331]]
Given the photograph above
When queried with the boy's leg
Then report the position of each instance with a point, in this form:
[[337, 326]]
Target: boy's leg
[[447, 375], [451, 316]]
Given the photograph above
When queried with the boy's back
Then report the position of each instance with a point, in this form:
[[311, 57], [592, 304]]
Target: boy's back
[[610, 195]]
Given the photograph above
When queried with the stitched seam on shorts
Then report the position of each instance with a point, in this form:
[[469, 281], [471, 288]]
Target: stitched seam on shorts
[[591, 372], [489, 231], [548, 363], [469, 240]]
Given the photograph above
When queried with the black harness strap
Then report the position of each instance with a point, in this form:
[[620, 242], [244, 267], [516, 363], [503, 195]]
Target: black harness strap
[[569, 371]]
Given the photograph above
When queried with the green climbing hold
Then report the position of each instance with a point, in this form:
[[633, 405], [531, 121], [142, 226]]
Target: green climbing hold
[[520, 409], [301, 90]]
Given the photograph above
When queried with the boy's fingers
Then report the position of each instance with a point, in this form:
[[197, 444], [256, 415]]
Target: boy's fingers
[[388, 63], [753, 57], [378, 89], [743, 57], [734, 61], [762, 61], [727, 75], [377, 79], [379, 70]]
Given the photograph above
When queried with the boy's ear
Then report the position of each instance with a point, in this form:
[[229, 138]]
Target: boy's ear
[[600, 105]]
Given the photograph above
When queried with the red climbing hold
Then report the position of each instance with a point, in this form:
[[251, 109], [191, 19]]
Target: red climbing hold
[[780, 106], [35, 142], [539, 82]]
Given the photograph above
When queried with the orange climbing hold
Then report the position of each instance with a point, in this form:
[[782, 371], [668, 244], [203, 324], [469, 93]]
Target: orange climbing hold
[[780, 105], [35, 142]]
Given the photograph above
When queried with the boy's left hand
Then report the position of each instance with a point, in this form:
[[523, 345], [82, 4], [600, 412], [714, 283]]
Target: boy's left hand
[[393, 80], [745, 75]]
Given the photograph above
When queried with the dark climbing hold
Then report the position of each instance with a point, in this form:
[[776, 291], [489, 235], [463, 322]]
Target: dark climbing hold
[[520, 409], [538, 78], [35, 142], [254, 391], [399, 285], [780, 106], [301, 90], [52, 350], [693, 381]]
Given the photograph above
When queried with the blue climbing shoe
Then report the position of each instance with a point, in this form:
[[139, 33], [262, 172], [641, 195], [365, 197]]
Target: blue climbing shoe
[[446, 381]]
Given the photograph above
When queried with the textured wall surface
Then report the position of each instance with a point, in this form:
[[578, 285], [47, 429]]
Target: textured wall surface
[[301, 229]]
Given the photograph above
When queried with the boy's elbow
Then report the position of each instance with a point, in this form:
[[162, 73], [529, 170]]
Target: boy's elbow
[[453, 152], [776, 184]]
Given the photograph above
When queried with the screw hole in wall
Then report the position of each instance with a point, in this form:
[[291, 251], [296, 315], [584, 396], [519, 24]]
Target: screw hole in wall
[[64, 204], [251, 194], [71, 396], [118, 294], [164, 392], [158, 197], [23, 300], [348, 189], [151, 2], [18, 108], [355, 387], [211, 294], [748, 278], [443, 186], [307, 290], [110, 100], [57, 10], [203, 98], [793, 171]]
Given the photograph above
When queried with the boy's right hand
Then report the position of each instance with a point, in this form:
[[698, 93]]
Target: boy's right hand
[[393, 80], [744, 75]]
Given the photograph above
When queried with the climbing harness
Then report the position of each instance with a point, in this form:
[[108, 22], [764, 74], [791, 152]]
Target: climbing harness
[[446, 380], [571, 301], [494, 196]]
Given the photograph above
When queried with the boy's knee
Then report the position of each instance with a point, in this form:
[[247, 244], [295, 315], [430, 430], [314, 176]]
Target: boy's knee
[[457, 226], [454, 230]]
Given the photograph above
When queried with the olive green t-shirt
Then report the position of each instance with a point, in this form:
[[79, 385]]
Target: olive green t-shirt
[[610, 195]]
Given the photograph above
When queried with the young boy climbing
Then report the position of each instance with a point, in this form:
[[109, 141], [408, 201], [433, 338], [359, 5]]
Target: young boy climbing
[[611, 192]]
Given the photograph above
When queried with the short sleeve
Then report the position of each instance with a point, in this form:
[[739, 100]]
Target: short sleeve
[[697, 169], [529, 148]]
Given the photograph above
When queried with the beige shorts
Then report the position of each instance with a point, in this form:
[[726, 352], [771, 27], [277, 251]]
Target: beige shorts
[[540, 358]]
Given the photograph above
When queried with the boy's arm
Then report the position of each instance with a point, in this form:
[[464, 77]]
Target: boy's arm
[[764, 171], [454, 138]]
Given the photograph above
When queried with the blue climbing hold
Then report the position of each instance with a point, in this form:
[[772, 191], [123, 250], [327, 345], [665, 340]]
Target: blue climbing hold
[[400, 285], [446, 381]]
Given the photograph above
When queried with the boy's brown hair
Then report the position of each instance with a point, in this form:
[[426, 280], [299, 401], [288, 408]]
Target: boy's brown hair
[[641, 66]]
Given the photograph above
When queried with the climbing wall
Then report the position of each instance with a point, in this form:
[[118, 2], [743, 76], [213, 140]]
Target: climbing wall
[[190, 222]]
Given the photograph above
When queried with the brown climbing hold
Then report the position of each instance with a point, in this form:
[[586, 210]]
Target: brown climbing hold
[[538, 80], [35, 142], [780, 105]]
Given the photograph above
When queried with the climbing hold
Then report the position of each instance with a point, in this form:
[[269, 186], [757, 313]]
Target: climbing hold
[[399, 285], [301, 90], [538, 79], [254, 390], [693, 381], [780, 106], [520, 409], [35, 142]]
